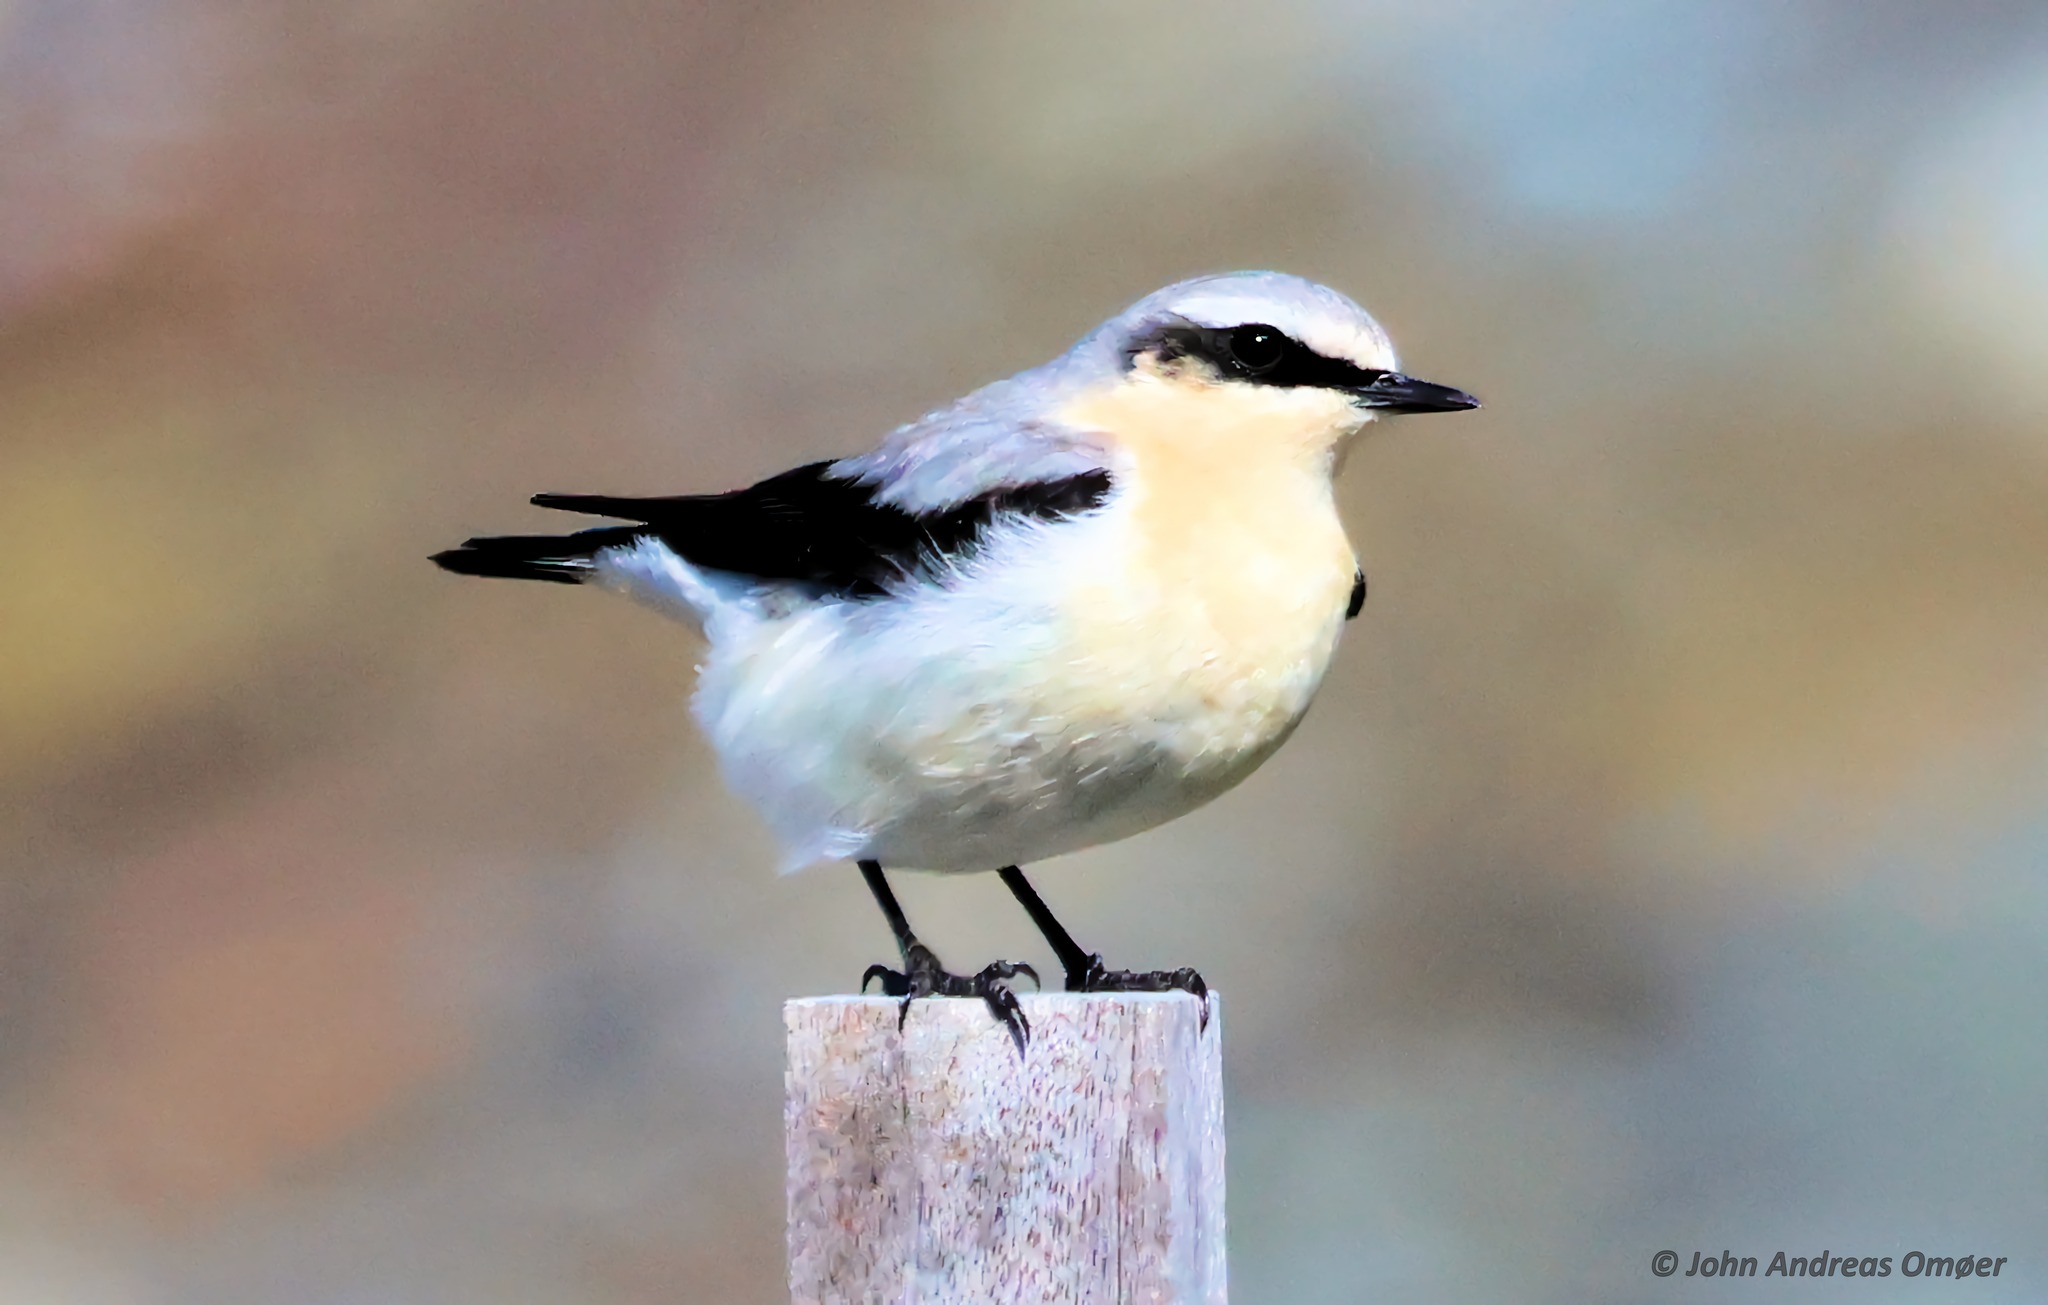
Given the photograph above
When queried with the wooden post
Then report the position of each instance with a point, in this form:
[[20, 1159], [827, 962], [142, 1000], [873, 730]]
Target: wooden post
[[933, 1167]]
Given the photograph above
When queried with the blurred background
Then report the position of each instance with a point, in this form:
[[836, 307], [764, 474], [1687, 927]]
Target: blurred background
[[1661, 867]]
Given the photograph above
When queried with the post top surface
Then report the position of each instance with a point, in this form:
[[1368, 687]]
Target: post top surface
[[1029, 999]]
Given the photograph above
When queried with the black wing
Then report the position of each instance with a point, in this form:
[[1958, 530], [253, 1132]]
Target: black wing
[[802, 526]]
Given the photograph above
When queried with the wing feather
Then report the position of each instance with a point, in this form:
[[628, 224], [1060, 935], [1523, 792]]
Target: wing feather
[[855, 527], [812, 526]]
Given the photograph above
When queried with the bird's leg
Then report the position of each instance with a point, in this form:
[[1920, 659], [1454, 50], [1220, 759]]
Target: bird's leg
[[923, 976], [1085, 970]]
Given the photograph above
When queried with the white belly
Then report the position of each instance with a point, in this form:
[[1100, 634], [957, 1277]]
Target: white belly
[[1063, 692]]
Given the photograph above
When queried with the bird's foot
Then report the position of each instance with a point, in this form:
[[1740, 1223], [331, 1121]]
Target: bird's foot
[[1098, 978], [924, 976]]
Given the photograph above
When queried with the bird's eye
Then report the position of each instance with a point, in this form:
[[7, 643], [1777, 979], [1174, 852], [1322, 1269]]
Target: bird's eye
[[1258, 348]]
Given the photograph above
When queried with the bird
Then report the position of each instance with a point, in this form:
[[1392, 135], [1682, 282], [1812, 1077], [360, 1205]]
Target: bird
[[1059, 611]]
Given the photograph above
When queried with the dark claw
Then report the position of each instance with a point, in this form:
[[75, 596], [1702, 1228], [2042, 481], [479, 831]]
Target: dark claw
[[1099, 978], [1002, 1004], [894, 982], [924, 976]]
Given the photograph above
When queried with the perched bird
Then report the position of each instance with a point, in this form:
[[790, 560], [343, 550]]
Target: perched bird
[[1061, 610]]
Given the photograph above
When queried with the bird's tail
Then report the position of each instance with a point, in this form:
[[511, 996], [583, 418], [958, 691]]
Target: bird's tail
[[563, 559]]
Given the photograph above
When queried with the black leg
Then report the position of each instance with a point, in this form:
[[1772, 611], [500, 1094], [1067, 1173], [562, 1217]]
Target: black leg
[[923, 976], [892, 910], [1085, 970]]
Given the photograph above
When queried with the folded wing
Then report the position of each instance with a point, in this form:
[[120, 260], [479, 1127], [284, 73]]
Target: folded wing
[[831, 532]]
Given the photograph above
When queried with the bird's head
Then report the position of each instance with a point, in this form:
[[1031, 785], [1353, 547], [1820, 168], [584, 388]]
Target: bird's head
[[1261, 360]]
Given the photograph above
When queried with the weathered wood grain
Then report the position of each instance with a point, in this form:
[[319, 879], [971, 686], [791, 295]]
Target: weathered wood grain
[[933, 1167]]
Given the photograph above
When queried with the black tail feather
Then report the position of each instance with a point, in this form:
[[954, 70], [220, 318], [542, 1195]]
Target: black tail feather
[[562, 559]]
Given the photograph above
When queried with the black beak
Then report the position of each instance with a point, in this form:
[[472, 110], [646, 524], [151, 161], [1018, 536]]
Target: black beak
[[1393, 392]]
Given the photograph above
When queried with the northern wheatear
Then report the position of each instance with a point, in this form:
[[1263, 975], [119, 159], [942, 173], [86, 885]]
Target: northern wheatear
[[1068, 607]]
